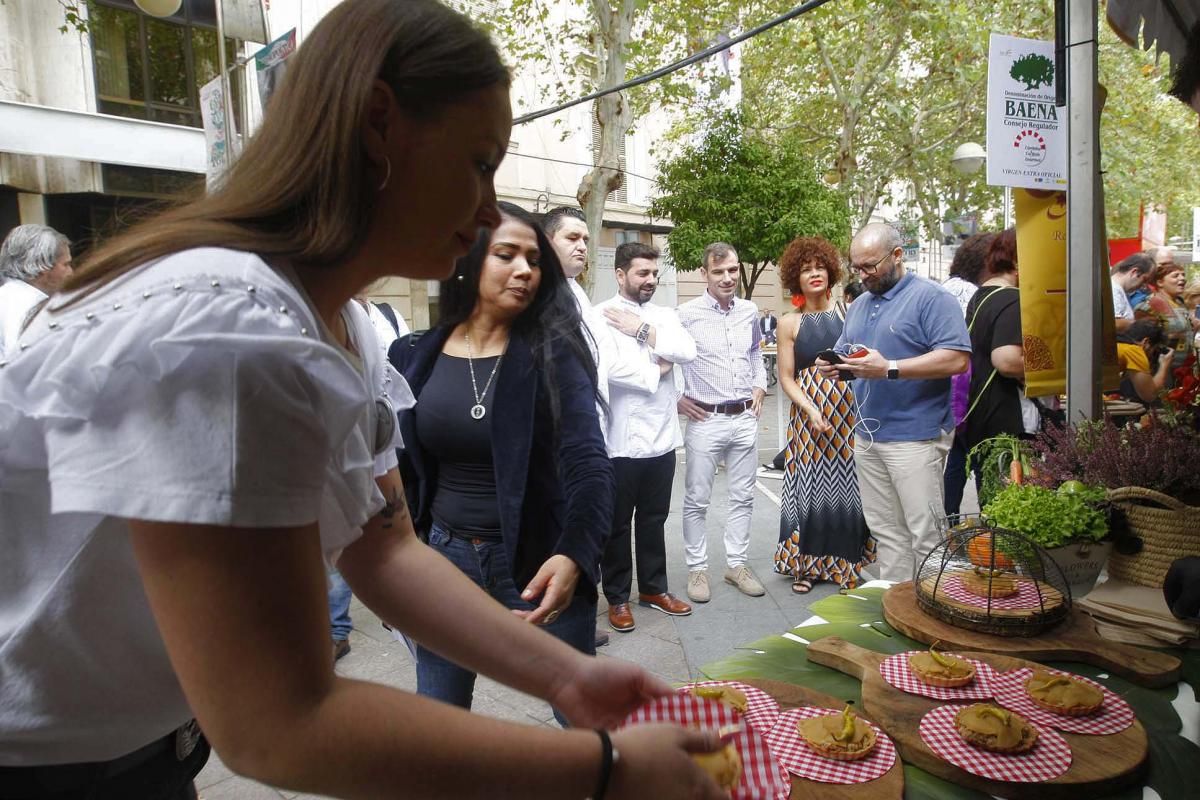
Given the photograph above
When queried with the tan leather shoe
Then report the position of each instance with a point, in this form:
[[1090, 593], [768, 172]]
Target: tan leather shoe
[[744, 580], [666, 603], [620, 617], [697, 587]]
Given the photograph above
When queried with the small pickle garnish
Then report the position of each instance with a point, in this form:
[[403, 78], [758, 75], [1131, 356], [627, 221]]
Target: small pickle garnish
[[847, 733], [938, 657], [992, 711]]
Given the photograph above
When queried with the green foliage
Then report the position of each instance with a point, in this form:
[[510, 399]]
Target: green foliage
[[1049, 518], [73, 17], [1034, 70], [736, 187], [994, 457]]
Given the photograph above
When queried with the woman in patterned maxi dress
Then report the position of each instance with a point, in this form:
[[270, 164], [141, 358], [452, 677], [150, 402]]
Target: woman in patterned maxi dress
[[822, 533]]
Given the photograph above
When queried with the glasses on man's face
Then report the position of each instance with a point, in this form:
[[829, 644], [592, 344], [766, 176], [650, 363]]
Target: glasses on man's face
[[869, 269]]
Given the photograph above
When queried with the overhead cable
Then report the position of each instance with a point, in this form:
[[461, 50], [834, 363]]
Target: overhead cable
[[803, 8]]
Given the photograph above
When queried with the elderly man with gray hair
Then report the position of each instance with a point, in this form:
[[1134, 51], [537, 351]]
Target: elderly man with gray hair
[[34, 262]]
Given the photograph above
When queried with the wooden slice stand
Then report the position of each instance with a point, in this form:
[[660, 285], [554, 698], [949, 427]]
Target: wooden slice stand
[[889, 786], [1074, 640], [1100, 765]]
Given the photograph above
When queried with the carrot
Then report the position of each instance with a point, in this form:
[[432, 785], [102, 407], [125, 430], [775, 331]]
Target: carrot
[[1015, 473]]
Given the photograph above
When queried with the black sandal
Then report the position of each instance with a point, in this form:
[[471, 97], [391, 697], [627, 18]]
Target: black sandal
[[801, 586]]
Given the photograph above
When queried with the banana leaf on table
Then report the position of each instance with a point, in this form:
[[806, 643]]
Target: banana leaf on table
[[857, 617]]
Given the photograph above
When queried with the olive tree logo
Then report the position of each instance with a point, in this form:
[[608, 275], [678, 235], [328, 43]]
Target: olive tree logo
[[1033, 70]]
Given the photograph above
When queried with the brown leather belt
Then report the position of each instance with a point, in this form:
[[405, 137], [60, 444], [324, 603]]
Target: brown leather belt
[[731, 407]]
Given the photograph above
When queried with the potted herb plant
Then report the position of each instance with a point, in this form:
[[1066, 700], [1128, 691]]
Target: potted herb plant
[[1069, 522]]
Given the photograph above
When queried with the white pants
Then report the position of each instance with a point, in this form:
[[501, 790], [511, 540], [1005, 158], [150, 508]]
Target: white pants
[[734, 440], [901, 487]]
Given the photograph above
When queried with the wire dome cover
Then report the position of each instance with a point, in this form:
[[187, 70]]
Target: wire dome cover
[[992, 580]]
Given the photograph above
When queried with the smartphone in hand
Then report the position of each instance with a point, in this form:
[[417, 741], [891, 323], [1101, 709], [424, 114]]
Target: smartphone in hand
[[834, 358]]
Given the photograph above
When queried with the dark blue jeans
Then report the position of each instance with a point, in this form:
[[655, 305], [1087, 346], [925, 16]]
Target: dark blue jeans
[[956, 474], [485, 562], [339, 606]]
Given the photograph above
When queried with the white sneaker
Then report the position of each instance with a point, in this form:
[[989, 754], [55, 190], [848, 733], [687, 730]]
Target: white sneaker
[[697, 587], [744, 580]]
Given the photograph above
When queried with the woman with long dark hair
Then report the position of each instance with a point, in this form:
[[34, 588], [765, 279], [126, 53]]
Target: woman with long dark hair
[[189, 437], [506, 469]]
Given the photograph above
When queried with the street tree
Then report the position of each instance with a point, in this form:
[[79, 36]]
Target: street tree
[[733, 186], [591, 45]]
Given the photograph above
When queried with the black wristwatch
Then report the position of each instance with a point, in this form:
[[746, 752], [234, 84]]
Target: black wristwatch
[[893, 370]]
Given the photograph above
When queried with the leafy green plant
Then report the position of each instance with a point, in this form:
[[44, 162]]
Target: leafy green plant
[[1048, 517], [1000, 460]]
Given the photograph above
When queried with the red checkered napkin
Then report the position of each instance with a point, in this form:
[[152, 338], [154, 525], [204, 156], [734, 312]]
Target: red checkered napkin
[[762, 774], [799, 759], [761, 708], [896, 671], [1026, 596], [1049, 758], [1113, 717]]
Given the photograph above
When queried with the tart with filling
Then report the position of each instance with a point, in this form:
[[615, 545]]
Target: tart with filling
[[724, 765], [940, 669], [734, 698], [984, 582], [999, 730], [1062, 694], [841, 737]]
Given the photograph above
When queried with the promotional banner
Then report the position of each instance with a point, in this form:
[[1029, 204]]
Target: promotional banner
[[270, 64], [212, 114], [1042, 257], [1153, 226], [244, 19], [1026, 132]]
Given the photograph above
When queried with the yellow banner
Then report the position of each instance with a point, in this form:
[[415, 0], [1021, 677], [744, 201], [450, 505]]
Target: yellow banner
[[1042, 257]]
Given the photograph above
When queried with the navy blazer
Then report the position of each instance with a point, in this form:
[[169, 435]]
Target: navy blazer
[[555, 497]]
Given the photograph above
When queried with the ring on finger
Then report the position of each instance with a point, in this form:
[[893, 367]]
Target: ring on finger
[[553, 615]]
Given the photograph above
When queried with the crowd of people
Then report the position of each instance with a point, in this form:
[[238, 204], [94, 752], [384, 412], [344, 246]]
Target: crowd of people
[[209, 438]]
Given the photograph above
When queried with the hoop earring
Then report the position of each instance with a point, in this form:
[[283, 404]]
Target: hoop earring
[[387, 175]]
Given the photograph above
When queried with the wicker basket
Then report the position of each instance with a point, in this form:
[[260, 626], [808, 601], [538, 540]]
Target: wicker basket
[[1169, 530]]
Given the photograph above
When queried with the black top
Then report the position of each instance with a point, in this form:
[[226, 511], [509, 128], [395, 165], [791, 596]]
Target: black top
[[464, 500], [816, 331], [554, 487], [998, 323]]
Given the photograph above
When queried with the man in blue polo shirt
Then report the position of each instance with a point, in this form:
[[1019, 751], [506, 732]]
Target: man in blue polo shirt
[[916, 339]]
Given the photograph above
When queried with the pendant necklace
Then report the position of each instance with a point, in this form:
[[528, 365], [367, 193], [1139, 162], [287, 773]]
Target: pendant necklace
[[478, 411]]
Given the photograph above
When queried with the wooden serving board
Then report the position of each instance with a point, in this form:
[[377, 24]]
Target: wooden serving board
[[1100, 765], [890, 786], [1074, 640]]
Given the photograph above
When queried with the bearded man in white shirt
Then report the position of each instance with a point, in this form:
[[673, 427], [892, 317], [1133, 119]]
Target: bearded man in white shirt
[[34, 262], [643, 433]]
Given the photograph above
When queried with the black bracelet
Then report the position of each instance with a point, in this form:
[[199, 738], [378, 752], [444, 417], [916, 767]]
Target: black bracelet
[[607, 759]]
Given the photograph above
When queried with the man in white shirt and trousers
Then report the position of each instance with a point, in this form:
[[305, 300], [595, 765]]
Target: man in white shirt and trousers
[[723, 396], [643, 433]]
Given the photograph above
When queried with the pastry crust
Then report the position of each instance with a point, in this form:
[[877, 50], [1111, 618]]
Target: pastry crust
[[989, 727], [978, 583], [734, 698], [818, 733], [928, 671], [1063, 694], [725, 766]]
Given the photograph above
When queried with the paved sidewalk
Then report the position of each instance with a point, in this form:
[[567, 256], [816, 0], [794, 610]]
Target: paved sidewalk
[[672, 647]]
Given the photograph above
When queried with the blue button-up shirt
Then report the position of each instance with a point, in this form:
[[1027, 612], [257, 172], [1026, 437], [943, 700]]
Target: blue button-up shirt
[[911, 319]]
